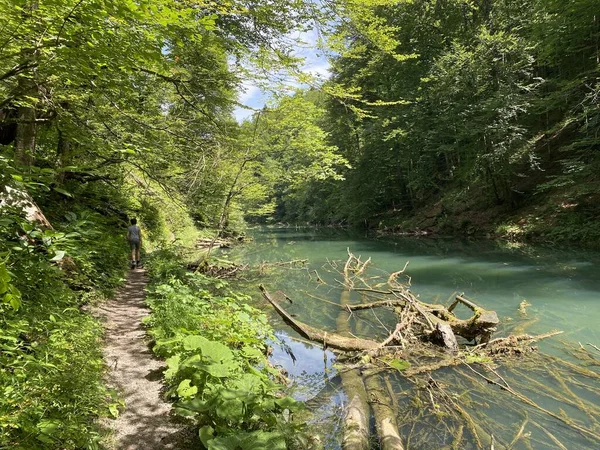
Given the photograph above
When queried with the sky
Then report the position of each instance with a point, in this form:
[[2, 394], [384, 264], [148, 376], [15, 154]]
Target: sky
[[315, 63]]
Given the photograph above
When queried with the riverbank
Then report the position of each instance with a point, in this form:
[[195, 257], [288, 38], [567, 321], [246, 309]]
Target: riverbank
[[554, 221]]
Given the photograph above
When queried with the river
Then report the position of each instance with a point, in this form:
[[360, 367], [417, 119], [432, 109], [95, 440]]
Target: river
[[561, 286]]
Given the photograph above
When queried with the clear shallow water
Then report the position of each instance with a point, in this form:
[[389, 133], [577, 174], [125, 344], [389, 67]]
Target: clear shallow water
[[562, 286]]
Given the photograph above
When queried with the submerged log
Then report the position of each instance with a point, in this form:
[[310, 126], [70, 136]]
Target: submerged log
[[373, 391], [384, 412], [356, 417]]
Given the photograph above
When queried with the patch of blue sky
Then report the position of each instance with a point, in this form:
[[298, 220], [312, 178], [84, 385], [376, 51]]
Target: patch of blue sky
[[254, 97]]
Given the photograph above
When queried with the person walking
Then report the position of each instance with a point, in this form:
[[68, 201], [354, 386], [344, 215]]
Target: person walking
[[134, 236]]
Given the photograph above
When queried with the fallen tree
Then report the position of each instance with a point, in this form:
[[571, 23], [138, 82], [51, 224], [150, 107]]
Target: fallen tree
[[427, 338], [428, 322]]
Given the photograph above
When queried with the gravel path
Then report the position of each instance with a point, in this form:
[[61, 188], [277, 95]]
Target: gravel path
[[145, 423]]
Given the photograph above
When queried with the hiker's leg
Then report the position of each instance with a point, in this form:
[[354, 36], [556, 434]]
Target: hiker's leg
[[133, 248]]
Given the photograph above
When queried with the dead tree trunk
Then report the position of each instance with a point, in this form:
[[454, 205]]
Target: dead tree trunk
[[25, 140], [356, 416], [325, 338], [384, 412], [26, 134]]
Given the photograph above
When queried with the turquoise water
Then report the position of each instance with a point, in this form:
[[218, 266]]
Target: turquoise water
[[562, 286]]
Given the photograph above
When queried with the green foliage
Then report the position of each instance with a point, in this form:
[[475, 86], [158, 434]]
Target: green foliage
[[51, 364], [9, 294], [138, 94], [287, 152], [492, 105], [218, 372]]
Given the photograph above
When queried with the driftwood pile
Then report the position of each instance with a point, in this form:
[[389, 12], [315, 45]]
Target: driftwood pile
[[427, 337], [208, 243]]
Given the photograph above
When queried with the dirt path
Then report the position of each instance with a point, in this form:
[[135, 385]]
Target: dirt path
[[145, 423]]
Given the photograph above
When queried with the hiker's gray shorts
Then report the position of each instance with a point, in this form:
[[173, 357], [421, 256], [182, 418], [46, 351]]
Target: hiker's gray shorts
[[134, 245]]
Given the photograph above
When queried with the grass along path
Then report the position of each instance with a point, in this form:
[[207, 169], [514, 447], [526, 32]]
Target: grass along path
[[136, 374]]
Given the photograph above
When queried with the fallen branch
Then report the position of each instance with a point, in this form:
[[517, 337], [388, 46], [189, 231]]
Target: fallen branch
[[380, 304], [512, 341], [318, 336], [567, 421]]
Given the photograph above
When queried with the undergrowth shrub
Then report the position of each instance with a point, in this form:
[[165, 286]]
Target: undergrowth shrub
[[51, 364], [216, 352], [51, 367]]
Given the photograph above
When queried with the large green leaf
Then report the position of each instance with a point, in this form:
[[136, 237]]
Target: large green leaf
[[257, 440], [206, 433], [218, 370], [193, 342], [47, 429], [214, 351], [172, 366], [231, 409], [195, 405], [246, 386], [185, 390]]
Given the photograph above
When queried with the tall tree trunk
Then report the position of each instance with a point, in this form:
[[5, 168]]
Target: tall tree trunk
[[64, 149], [25, 139], [229, 198]]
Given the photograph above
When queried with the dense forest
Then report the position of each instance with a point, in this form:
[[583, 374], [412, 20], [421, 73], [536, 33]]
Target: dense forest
[[475, 116], [445, 116]]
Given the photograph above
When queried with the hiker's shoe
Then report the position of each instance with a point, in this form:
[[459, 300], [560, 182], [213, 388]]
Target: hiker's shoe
[[133, 264]]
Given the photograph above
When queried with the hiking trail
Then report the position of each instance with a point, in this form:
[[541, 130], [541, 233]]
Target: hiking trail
[[137, 375]]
